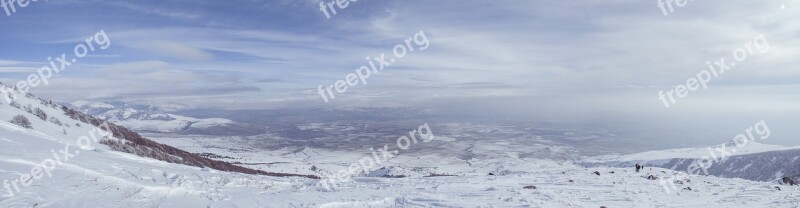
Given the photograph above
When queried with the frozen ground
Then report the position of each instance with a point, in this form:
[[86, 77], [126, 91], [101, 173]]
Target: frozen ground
[[102, 178], [99, 177]]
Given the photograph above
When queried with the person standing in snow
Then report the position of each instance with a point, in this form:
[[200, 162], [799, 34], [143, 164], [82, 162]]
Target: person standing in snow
[[638, 167]]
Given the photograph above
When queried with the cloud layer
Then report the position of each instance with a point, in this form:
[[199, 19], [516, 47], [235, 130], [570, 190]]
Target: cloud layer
[[249, 54]]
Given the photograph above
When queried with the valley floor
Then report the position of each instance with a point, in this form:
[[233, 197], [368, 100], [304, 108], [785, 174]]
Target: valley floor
[[99, 177]]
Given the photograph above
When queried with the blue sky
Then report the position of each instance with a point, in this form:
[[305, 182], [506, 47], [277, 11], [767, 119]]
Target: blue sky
[[571, 55]]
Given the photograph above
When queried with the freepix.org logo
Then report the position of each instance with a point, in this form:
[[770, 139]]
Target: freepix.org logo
[[98, 41], [329, 8], [374, 65], [667, 7], [10, 6], [60, 157], [758, 45]]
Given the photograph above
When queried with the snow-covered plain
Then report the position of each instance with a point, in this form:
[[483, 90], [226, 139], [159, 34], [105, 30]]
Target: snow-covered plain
[[99, 177]]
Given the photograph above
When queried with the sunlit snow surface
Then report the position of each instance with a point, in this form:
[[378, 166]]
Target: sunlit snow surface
[[103, 178]]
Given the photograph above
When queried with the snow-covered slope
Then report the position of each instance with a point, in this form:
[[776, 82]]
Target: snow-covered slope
[[49, 159], [148, 118], [100, 177], [436, 180], [46, 166]]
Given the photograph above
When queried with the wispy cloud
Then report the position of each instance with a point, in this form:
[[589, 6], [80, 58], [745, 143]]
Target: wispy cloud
[[175, 49], [571, 51]]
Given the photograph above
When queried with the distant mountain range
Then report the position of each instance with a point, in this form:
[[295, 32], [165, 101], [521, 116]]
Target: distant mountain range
[[161, 119]]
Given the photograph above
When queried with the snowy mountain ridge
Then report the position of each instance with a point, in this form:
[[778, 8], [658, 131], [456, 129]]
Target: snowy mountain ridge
[[158, 119], [754, 161], [47, 116]]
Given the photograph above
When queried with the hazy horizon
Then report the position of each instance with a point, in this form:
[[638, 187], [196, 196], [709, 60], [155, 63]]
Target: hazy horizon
[[533, 61]]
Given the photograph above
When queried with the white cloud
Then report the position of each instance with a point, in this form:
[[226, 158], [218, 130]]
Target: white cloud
[[535, 48], [175, 49]]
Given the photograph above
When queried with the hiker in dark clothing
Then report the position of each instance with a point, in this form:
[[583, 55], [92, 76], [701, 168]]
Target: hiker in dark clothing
[[638, 167], [788, 181]]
